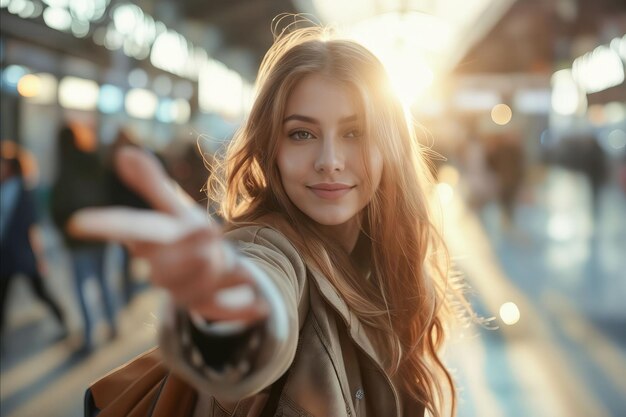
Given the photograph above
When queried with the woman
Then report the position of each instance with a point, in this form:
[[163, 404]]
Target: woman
[[332, 302]]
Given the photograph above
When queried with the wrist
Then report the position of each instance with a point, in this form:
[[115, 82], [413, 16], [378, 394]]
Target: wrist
[[217, 328]]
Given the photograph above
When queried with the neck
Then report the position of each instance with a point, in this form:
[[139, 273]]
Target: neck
[[346, 234]]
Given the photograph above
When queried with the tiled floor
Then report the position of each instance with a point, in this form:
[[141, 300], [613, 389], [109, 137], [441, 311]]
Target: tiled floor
[[566, 272], [45, 375]]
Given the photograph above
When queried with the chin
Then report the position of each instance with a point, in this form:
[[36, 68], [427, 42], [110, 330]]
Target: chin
[[330, 219]]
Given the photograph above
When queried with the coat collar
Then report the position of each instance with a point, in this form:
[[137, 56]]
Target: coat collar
[[330, 295], [327, 290]]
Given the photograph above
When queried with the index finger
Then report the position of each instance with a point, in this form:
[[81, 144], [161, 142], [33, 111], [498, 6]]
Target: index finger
[[123, 224], [144, 174]]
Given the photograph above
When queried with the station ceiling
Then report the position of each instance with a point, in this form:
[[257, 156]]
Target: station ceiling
[[527, 36]]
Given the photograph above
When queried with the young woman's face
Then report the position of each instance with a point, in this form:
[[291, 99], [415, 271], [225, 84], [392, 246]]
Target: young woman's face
[[320, 156]]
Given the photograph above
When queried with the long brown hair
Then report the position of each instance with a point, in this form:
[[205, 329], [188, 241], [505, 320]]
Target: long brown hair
[[404, 302]]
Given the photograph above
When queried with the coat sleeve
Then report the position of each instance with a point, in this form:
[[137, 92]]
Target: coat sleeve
[[280, 275]]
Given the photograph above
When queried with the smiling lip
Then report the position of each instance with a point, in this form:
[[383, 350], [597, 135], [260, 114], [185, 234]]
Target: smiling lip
[[330, 191]]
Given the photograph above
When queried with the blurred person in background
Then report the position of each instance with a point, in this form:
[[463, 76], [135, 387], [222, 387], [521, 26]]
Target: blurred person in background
[[189, 167], [334, 301], [80, 183], [595, 168], [583, 154], [505, 158], [479, 181], [21, 249], [119, 194]]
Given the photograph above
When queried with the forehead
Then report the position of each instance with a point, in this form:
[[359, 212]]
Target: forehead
[[322, 97]]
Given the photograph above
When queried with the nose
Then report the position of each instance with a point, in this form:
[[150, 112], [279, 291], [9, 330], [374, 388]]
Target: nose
[[331, 156]]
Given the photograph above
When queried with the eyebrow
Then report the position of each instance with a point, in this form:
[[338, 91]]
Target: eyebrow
[[312, 120]]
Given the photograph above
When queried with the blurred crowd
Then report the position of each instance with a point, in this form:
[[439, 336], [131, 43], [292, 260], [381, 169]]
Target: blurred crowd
[[85, 177], [500, 166]]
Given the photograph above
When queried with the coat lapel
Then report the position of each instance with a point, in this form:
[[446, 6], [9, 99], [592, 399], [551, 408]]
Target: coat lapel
[[356, 330]]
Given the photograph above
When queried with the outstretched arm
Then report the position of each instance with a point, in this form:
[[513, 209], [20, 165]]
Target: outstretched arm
[[241, 298]]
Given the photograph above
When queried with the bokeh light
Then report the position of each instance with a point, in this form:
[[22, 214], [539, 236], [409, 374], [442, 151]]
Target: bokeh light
[[111, 99], [501, 114], [137, 78], [566, 96], [164, 111], [598, 70], [220, 90], [29, 85], [16, 6], [127, 17], [113, 39], [617, 139], [46, 90], [79, 28], [509, 313], [78, 93], [141, 103], [12, 74], [57, 18], [27, 10]]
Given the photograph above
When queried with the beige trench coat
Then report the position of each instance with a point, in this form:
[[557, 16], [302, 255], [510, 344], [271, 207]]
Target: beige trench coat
[[333, 367]]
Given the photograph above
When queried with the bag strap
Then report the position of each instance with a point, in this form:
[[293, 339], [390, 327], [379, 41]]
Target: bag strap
[[269, 410], [90, 409]]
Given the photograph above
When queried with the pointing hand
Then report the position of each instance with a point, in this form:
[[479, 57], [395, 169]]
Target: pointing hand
[[185, 249]]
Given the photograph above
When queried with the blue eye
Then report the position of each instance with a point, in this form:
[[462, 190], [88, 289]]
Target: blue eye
[[301, 135]]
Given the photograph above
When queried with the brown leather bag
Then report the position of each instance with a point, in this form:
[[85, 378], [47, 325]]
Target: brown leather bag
[[143, 387]]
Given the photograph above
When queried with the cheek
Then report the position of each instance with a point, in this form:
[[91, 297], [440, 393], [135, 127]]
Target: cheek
[[290, 164], [286, 173]]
